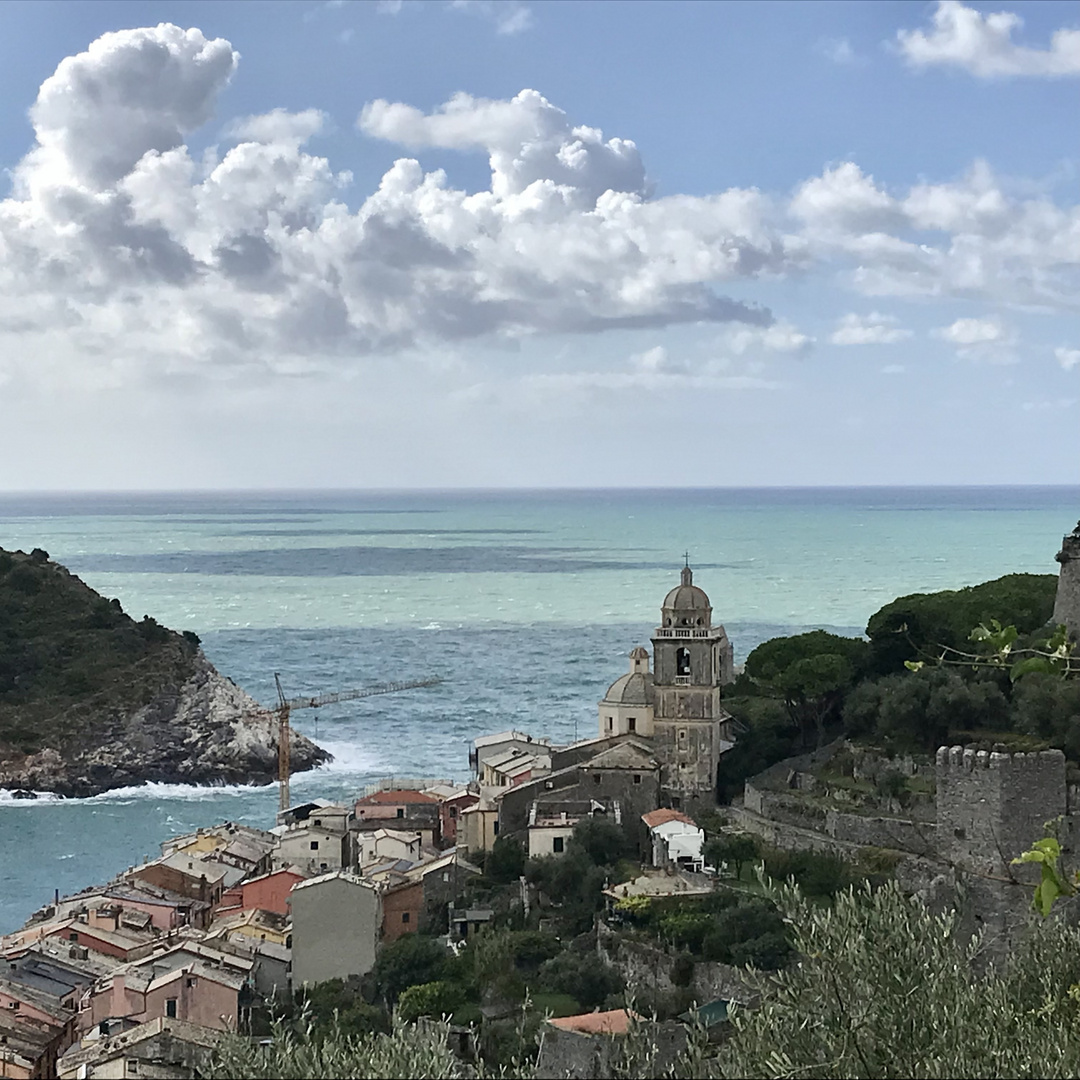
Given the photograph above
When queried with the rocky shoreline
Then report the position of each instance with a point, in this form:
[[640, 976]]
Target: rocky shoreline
[[206, 731]]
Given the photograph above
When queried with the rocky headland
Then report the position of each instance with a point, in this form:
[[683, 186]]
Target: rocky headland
[[92, 700]]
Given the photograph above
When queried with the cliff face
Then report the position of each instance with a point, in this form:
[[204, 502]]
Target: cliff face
[[91, 700]]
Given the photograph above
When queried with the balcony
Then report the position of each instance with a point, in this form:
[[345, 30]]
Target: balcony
[[685, 632]]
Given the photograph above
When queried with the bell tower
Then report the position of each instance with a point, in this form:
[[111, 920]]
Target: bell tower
[[692, 660]]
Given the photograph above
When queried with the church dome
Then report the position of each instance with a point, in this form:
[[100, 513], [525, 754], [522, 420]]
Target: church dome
[[686, 604], [633, 689]]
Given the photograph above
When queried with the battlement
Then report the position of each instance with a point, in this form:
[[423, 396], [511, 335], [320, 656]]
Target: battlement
[[959, 759], [1070, 546]]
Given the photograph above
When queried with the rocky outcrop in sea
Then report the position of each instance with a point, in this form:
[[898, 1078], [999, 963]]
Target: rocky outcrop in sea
[[206, 731]]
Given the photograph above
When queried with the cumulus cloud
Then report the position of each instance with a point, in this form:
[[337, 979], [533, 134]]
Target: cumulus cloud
[[527, 140], [989, 339], [116, 233], [966, 238], [1067, 358], [872, 329], [983, 45], [839, 51]]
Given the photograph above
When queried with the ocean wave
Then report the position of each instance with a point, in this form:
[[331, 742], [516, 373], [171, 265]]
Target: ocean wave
[[158, 792], [349, 759]]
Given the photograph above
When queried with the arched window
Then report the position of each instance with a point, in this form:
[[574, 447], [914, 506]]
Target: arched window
[[682, 661]]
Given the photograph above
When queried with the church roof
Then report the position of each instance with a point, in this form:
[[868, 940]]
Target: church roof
[[686, 596], [632, 689], [627, 755]]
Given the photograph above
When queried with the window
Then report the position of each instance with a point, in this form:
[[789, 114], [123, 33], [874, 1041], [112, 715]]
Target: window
[[631, 723], [191, 981], [446, 875], [15, 1005], [682, 661], [557, 844], [405, 916], [133, 1066], [596, 778], [609, 723], [682, 734], [401, 811], [637, 778], [170, 1007], [453, 811], [73, 935], [496, 829], [318, 822], [314, 845]]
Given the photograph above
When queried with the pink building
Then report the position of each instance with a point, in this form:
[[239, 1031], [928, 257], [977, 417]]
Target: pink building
[[267, 893]]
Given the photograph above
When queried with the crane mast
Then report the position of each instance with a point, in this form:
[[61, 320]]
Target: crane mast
[[286, 705]]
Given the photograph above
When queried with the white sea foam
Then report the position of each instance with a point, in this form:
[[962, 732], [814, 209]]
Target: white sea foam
[[8, 798], [349, 759]]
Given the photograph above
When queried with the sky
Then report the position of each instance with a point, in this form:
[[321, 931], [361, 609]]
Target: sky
[[508, 244]]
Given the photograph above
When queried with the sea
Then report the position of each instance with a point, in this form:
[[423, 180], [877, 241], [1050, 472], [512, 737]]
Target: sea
[[524, 603]]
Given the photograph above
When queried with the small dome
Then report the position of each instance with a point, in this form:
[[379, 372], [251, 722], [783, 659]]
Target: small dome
[[686, 598], [634, 689], [639, 653]]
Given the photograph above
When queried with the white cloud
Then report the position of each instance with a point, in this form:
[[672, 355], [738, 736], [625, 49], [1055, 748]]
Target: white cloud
[[527, 139], [893, 369], [781, 337], [278, 126], [117, 237], [509, 16], [967, 238], [983, 45], [1067, 358], [989, 340], [872, 329]]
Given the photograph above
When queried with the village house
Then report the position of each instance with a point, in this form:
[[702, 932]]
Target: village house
[[188, 875], [383, 844], [190, 981], [161, 1048], [28, 1048], [231, 844], [551, 823], [21, 1003], [442, 881], [62, 984], [267, 892], [102, 937], [479, 826], [337, 922], [677, 840], [310, 848], [485, 747], [402, 906], [452, 802], [402, 808]]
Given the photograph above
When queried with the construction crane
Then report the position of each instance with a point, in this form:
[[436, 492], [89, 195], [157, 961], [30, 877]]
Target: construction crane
[[286, 705]]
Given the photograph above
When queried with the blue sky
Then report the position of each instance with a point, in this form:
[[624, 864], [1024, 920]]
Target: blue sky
[[511, 244]]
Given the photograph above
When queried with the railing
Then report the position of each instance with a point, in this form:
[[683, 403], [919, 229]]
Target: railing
[[683, 680], [678, 632]]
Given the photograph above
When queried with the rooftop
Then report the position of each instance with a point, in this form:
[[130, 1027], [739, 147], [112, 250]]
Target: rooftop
[[614, 1022], [661, 817]]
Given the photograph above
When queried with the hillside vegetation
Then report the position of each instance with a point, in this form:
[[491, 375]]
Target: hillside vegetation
[[90, 699], [73, 665]]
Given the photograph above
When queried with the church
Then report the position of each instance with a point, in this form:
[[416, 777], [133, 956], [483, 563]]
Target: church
[[677, 706]]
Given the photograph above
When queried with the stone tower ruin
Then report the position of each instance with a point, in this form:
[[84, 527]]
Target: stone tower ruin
[[1067, 603]]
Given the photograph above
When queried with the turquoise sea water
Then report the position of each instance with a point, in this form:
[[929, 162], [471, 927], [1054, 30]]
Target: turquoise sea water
[[525, 602]]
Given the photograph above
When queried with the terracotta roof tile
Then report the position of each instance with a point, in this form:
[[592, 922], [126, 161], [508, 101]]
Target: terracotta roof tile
[[662, 817]]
